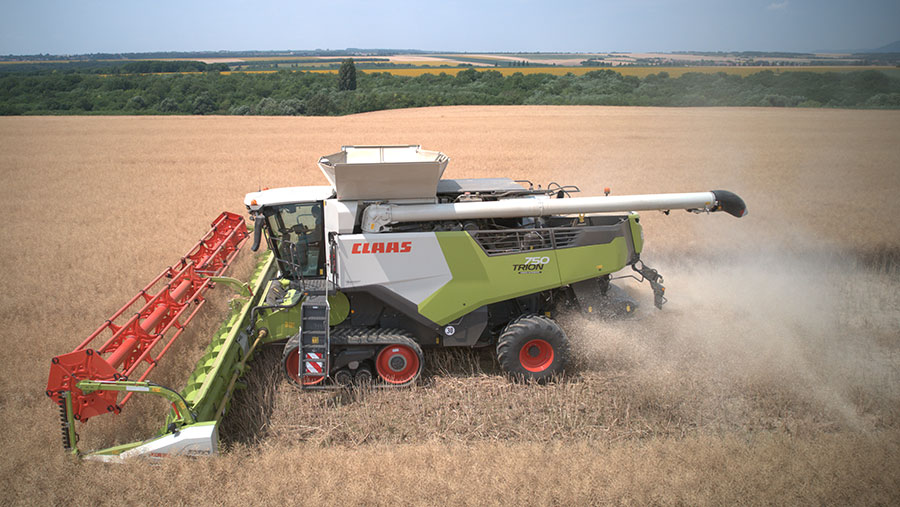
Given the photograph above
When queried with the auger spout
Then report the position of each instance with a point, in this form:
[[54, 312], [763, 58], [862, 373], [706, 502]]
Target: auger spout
[[730, 203]]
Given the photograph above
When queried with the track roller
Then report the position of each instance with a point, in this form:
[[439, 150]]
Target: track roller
[[363, 376], [343, 377]]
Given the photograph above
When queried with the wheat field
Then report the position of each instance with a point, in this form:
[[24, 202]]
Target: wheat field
[[771, 376]]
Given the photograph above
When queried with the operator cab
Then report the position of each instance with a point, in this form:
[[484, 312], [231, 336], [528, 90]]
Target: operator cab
[[293, 222], [295, 235]]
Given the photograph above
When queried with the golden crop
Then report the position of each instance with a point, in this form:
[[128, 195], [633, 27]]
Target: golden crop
[[770, 376]]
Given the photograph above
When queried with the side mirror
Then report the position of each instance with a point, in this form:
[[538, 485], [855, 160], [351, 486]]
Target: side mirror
[[257, 231]]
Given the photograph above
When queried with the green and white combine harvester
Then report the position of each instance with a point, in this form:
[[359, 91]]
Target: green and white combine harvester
[[359, 277]]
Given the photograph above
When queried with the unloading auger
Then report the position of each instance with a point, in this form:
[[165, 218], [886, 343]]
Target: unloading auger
[[362, 275]]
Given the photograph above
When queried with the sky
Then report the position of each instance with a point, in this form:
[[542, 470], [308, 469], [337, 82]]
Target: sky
[[124, 26]]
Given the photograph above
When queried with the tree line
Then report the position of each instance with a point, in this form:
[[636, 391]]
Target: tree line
[[306, 93], [111, 67], [158, 67]]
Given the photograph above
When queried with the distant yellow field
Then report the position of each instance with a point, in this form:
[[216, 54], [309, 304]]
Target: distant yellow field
[[32, 61], [625, 71], [559, 71], [629, 71]]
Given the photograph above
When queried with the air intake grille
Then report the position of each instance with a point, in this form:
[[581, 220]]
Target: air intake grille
[[524, 240]]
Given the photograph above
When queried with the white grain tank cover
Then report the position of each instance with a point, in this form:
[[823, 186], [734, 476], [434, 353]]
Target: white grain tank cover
[[384, 172]]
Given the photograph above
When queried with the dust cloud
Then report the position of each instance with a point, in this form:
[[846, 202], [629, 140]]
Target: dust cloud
[[760, 338]]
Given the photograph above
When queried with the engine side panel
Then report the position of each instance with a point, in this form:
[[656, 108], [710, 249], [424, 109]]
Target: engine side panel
[[480, 279], [446, 275], [582, 263], [410, 264]]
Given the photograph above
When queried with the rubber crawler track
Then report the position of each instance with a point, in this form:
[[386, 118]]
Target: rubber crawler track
[[371, 337]]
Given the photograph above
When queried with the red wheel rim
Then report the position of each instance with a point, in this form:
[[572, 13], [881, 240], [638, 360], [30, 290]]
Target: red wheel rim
[[397, 364], [292, 363], [536, 355]]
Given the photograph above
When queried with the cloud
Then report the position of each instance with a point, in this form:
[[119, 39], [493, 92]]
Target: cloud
[[777, 6]]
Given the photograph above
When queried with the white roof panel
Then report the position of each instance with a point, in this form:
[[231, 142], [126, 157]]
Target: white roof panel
[[288, 195]]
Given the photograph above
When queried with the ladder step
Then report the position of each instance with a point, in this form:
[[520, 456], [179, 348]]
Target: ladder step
[[314, 337]]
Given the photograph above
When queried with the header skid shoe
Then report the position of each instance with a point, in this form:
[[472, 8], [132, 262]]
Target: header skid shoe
[[161, 316]]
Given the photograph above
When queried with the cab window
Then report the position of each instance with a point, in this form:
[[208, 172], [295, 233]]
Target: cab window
[[296, 234]]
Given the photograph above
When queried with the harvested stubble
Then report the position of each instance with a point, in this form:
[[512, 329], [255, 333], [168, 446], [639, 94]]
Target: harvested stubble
[[771, 376]]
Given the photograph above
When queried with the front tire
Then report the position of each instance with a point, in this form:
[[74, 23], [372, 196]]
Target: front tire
[[533, 347]]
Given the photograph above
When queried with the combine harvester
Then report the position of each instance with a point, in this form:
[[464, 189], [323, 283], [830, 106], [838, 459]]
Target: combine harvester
[[362, 274]]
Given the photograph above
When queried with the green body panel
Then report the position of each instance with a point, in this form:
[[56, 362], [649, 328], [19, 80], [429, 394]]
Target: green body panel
[[240, 287], [479, 279], [637, 234], [338, 308], [583, 262], [281, 323], [207, 385]]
